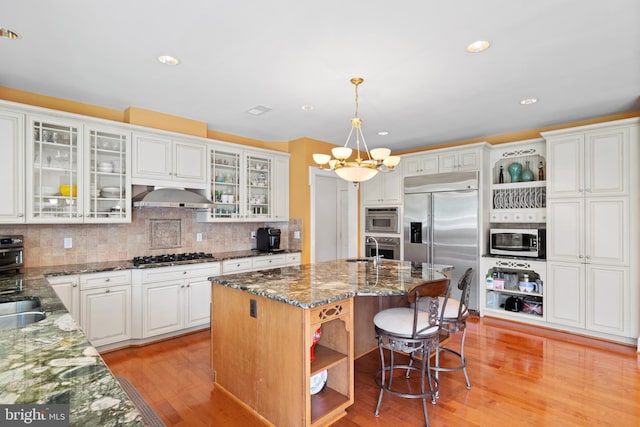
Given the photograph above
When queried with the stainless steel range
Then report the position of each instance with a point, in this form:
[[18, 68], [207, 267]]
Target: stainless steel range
[[171, 258]]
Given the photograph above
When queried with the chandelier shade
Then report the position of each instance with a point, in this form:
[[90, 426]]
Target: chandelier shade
[[358, 169]]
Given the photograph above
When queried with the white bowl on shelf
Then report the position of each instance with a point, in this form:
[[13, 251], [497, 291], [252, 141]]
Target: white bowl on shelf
[[111, 192], [48, 191]]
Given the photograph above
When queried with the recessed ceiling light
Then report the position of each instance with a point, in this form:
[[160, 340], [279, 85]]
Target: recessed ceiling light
[[478, 46], [383, 133], [528, 101], [168, 60], [8, 34], [259, 109], [307, 107]]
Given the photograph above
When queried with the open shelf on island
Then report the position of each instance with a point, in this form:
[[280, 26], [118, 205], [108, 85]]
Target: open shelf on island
[[325, 359]]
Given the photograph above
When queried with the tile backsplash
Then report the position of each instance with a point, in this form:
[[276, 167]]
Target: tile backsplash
[[149, 233]]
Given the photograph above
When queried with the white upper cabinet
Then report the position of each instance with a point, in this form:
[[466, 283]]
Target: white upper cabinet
[[443, 160], [594, 162], [459, 161], [161, 160], [383, 189], [107, 193], [281, 188], [54, 170], [247, 185], [420, 164], [12, 208]]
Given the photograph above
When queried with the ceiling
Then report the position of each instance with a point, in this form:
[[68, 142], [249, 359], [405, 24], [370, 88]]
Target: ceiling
[[579, 58]]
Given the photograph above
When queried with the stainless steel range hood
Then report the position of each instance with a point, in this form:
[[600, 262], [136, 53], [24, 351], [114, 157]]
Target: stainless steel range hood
[[171, 198]]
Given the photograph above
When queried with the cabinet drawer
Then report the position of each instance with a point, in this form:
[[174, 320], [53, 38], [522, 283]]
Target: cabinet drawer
[[293, 259], [237, 265], [268, 261], [105, 279], [180, 272]]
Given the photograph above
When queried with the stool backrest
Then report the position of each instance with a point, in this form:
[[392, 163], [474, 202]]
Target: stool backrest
[[464, 284], [432, 292]]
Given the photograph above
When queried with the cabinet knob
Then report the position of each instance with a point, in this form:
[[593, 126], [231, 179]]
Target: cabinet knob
[[107, 291], [188, 286], [182, 286], [580, 256], [184, 272], [75, 285], [107, 279], [20, 215]]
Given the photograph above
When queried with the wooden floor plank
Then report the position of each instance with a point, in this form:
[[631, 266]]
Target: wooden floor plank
[[520, 375]]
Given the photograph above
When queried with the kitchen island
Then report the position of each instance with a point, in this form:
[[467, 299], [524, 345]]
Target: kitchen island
[[263, 323]]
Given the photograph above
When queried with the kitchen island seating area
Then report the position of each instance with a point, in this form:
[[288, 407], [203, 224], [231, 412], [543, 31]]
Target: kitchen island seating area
[[415, 331]]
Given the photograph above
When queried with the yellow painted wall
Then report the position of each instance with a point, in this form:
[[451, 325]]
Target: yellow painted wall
[[153, 119]]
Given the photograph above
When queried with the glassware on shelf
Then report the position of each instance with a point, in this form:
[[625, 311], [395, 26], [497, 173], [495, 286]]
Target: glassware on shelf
[[501, 176], [527, 175]]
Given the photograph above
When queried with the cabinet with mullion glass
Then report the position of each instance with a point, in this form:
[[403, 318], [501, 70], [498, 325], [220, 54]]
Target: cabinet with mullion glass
[[258, 184], [225, 184], [54, 180], [106, 196]]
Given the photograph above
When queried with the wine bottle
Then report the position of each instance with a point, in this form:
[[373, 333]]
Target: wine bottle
[[540, 171], [501, 176]]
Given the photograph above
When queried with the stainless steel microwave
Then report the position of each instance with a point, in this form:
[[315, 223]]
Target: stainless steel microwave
[[381, 220], [529, 243]]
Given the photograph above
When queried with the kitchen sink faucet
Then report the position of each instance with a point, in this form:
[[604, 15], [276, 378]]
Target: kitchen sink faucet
[[377, 258]]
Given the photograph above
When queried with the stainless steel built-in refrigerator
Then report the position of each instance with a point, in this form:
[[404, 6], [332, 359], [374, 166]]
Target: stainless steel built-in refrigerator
[[441, 224]]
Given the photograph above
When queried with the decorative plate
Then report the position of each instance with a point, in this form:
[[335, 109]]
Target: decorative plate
[[318, 382]]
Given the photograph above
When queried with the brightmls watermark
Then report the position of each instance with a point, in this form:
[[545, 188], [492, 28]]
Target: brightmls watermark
[[34, 415]]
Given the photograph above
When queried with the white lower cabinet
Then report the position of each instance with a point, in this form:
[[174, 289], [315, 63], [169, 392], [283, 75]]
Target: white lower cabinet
[[608, 299], [105, 306], [591, 296], [163, 307], [260, 262], [566, 294], [293, 259], [237, 265], [68, 290], [176, 298], [269, 261]]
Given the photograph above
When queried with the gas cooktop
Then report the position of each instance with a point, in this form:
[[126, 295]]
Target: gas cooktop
[[157, 259]]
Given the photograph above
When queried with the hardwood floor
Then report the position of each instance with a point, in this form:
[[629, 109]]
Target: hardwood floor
[[520, 375]]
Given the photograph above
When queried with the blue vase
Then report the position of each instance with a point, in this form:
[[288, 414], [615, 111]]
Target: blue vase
[[515, 169], [527, 175]]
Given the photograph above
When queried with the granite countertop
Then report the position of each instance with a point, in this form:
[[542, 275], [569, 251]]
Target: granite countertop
[[52, 362], [312, 285]]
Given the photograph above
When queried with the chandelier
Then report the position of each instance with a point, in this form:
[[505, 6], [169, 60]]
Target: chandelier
[[359, 169]]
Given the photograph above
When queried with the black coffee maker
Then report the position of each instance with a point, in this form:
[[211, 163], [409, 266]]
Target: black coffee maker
[[268, 239]]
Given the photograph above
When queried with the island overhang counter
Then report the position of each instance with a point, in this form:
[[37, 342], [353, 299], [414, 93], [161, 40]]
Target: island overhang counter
[[262, 327]]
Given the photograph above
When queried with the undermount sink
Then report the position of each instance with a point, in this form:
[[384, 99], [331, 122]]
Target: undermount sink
[[359, 260], [82, 371], [21, 312]]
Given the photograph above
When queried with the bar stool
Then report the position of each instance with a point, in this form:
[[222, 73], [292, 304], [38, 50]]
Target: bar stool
[[414, 332], [454, 320]]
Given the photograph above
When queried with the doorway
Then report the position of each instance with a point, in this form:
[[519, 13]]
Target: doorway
[[334, 216]]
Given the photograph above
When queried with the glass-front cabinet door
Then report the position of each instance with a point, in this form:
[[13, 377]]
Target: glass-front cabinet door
[[106, 197], [54, 178], [225, 184], [259, 176]]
